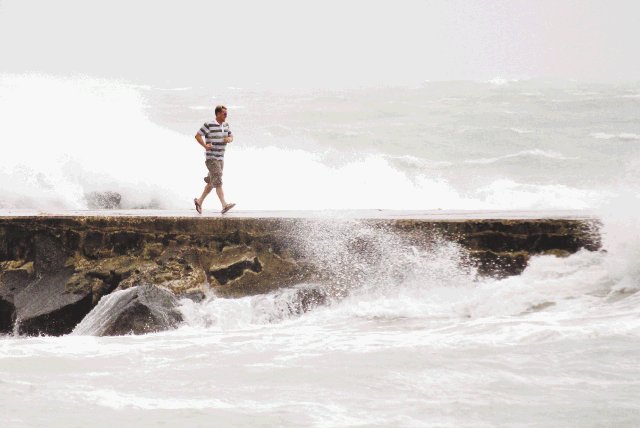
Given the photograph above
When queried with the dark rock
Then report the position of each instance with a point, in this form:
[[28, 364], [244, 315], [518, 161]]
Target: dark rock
[[93, 242], [499, 265], [103, 200], [248, 256], [7, 315], [494, 241], [50, 253], [44, 306], [125, 241], [291, 302], [236, 270], [13, 280], [307, 298], [137, 310], [195, 296]]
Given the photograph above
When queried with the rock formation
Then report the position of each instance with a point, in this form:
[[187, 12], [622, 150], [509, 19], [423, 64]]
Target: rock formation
[[53, 270], [137, 310]]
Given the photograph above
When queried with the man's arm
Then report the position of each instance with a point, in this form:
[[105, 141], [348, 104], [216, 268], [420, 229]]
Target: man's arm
[[228, 138], [202, 143]]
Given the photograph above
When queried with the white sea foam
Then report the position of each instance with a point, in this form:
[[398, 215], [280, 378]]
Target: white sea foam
[[90, 135], [118, 400], [521, 130], [500, 81], [100, 138], [526, 153], [96, 322], [508, 192], [619, 136]]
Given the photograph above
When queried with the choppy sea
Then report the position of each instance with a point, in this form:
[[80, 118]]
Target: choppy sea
[[557, 345]]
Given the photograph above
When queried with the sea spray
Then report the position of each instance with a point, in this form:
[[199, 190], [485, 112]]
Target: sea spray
[[137, 310], [315, 151], [91, 135], [96, 322], [214, 313], [354, 261]]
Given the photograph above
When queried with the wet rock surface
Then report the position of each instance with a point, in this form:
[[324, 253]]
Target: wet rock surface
[[7, 315], [103, 200], [35, 301], [14, 277], [54, 270], [46, 307], [137, 310]]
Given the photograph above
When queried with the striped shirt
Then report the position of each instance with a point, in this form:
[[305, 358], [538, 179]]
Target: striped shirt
[[213, 133]]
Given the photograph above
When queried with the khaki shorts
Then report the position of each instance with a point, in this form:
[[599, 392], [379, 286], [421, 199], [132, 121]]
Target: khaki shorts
[[215, 168]]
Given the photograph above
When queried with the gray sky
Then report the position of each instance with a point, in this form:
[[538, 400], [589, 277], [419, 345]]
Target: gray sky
[[281, 43]]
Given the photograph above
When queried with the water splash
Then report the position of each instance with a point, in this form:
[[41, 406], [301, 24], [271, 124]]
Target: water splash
[[353, 261]]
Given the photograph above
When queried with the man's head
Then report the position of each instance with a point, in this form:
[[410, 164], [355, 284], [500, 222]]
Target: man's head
[[221, 113]]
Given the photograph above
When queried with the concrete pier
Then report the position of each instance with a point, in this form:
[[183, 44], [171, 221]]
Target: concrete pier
[[55, 266]]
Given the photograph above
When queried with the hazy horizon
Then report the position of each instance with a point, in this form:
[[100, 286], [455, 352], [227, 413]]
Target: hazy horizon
[[321, 45]]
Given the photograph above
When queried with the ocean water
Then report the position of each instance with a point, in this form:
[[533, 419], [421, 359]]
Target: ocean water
[[449, 145], [415, 337]]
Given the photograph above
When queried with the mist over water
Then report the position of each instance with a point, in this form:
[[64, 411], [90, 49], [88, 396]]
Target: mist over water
[[401, 335]]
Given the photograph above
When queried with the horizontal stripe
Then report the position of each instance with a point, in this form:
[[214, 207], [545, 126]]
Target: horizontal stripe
[[214, 134], [215, 125]]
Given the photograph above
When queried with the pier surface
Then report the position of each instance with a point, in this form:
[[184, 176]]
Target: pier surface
[[451, 215]]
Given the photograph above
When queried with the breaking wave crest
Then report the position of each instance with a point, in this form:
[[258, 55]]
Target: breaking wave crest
[[102, 138], [523, 154]]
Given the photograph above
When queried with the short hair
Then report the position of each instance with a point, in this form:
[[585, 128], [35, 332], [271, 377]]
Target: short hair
[[220, 108]]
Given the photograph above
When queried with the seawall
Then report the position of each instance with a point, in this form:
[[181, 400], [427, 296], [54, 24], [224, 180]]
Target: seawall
[[55, 268]]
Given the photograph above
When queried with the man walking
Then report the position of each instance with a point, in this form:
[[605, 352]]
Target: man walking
[[214, 137]]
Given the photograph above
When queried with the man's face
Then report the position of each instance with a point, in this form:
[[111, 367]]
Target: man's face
[[221, 115]]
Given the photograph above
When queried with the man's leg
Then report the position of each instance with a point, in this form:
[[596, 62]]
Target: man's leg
[[205, 192], [220, 194]]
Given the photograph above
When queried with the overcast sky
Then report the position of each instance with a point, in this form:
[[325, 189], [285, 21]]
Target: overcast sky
[[321, 43]]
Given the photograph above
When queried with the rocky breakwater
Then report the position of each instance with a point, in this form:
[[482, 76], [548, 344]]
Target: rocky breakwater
[[55, 269]]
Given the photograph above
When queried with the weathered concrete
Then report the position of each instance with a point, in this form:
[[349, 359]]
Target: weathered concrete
[[58, 267]]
